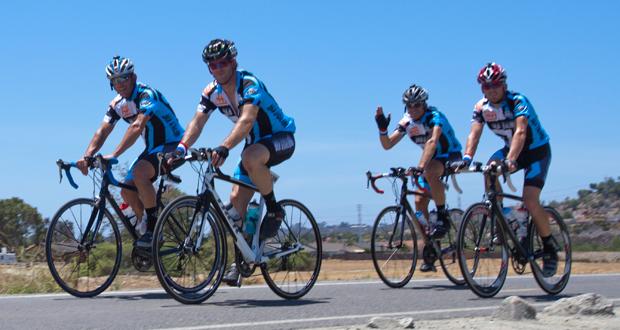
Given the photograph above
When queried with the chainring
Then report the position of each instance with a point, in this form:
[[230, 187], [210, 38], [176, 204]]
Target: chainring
[[140, 260]]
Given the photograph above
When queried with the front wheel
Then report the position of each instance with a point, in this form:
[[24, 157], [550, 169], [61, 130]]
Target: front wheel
[[482, 251], [394, 247], [291, 276], [561, 240], [448, 257], [190, 255], [84, 264]]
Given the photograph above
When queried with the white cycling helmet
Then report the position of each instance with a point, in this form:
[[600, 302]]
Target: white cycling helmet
[[415, 94], [119, 66]]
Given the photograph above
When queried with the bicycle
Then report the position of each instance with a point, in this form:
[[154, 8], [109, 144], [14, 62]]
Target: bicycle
[[190, 242], [83, 244], [394, 242], [486, 241]]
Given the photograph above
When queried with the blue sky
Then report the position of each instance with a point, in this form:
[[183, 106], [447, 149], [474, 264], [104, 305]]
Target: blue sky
[[328, 64]]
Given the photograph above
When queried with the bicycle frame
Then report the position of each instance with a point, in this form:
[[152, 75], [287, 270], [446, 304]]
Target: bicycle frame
[[403, 204], [104, 196], [209, 197], [492, 198]]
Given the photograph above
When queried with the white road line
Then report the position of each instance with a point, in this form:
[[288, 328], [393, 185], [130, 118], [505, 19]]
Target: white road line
[[349, 317]]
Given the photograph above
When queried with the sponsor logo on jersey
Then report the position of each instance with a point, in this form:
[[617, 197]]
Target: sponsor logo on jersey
[[125, 111], [145, 102], [416, 130], [220, 101], [252, 91], [489, 115]]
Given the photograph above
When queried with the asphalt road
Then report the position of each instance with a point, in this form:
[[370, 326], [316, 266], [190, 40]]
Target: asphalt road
[[256, 307]]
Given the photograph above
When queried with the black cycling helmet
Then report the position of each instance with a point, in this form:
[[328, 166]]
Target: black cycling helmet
[[219, 49], [415, 94]]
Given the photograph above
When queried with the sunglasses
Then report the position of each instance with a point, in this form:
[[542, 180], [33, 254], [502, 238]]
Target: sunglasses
[[120, 80], [415, 105], [492, 85], [219, 64]]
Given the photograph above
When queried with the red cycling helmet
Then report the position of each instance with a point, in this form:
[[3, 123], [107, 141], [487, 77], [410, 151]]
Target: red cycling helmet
[[492, 73]]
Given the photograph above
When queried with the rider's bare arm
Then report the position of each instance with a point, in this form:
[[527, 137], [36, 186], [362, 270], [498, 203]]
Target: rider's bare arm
[[95, 144], [388, 141], [98, 139], [194, 128], [132, 134], [518, 138], [474, 137], [242, 126], [430, 147]]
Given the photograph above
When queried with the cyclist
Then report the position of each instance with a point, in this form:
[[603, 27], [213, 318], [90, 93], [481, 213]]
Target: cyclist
[[149, 114], [430, 129], [258, 119], [511, 116]]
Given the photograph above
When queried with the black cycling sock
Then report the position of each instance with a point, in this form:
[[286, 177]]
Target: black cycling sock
[[151, 218], [441, 208], [270, 201]]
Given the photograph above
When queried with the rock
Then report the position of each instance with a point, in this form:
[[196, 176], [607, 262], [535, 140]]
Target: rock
[[589, 304], [514, 308], [391, 323]]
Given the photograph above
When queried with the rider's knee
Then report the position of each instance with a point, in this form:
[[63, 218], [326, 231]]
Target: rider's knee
[[251, 164], [531, 201]]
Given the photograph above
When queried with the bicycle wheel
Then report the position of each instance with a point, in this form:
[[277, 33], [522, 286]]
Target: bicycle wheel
[[293, 275], [483, 255], [83, 270], [448, 257], [394, 247], [556, 283], [189, 263]]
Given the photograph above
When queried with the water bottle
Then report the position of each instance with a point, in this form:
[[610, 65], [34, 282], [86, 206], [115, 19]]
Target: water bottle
[[422, 219], [517, 219], [522, 218], [128, 212], [251, 218]]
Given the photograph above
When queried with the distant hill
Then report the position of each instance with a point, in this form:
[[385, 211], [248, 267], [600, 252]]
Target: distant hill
[[594, 216]]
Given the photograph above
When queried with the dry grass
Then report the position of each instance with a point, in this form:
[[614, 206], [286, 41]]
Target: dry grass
[[37, 279]]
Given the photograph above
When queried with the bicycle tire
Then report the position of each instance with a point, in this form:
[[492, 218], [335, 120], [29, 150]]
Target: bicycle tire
[[401, 267], [65, 255], [556, 283], [448, 258], [478, 255], [298, 226], [176, 257]]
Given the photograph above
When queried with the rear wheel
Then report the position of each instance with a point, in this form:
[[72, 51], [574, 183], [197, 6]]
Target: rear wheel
[[394, 247], [291, 276], [483, 255], [556, 283], [83, 269], [448, 257], [189, 263]]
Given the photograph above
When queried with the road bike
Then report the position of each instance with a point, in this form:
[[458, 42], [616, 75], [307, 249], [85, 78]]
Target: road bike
[[190, 242], [486, 241], [394, 241], [83, 244]]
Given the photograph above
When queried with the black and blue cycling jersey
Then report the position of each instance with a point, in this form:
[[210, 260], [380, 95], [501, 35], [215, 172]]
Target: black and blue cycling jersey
[[501, 120], [250, 90], [421, 130], [162, 128]]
